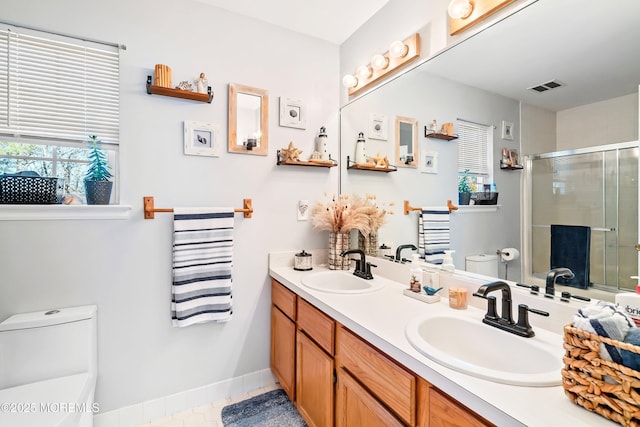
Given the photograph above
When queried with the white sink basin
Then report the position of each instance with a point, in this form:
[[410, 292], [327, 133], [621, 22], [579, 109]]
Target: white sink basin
[[467, 345], [340, 282]]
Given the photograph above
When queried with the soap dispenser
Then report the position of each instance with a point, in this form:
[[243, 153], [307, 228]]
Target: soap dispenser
[[447, 261], [415, 274]]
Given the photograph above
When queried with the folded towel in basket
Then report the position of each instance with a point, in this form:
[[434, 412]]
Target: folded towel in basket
[[629, 358], [607, 320], [202, 263]]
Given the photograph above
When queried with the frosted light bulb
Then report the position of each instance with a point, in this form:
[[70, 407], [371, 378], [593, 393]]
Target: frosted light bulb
[[398, 49], [349, 80], [364, 72], [460, 9], [379, 62]]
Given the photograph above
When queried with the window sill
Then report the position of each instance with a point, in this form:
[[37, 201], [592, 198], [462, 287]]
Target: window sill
[[465, 209], [62, 212]]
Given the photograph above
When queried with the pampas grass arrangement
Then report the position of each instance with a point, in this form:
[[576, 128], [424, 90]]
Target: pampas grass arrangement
[[341, 214], [377, 215]]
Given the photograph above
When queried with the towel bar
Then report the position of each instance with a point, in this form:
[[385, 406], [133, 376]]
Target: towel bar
[[150, 209], [408, 208]]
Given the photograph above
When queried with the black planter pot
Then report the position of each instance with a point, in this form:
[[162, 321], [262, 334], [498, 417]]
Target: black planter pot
[[98, 192], [464, 198]]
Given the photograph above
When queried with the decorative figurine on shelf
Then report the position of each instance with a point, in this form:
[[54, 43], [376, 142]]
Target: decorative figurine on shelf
[[291, 153], [185, 85], [202, 84], [434, 126], [380, 161], [360, 157], [322, 143]]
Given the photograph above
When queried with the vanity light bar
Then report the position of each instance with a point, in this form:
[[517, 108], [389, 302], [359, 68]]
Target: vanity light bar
[[393, 63], [480, 10]]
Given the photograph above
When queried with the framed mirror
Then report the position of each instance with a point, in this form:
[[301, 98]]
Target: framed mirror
[[406, 141], [248, 120]]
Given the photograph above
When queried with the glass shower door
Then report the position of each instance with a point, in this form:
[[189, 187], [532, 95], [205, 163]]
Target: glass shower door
[[597, 188]]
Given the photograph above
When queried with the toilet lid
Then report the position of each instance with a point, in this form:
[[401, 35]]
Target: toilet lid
[[53, 402]]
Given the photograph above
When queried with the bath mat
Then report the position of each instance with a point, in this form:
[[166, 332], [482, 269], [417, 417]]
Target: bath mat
[[271, 409]]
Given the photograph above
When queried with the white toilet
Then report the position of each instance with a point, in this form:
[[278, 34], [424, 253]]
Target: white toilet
[[48, 368], [486, 264]]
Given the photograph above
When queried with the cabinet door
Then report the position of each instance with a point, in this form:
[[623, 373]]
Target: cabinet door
[[314, 383], [283, 351], [444, 412], [355, 407]]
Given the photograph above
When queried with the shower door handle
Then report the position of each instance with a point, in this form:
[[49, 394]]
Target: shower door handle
[[638, 247]]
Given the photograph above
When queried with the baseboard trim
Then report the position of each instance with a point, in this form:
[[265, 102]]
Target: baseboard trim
[[134, 415]]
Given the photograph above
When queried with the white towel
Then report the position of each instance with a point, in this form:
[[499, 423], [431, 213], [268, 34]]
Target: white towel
[[202, 264], [607, 320], [433, 233]]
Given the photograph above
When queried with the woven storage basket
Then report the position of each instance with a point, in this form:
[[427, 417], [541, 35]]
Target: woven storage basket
[[31, 190], [598, 385]]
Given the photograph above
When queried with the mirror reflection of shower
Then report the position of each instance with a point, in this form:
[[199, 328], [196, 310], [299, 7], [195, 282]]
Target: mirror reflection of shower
[[595, 188]]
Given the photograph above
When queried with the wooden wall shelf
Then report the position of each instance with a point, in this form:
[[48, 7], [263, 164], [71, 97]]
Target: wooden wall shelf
[[313, 163], [177, 93], [438, 135], [367, 167], [511, 168]]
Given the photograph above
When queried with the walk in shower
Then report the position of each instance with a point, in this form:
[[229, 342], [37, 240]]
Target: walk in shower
[[597, 188]]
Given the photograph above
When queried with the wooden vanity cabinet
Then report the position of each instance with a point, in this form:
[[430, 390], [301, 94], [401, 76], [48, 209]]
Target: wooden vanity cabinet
[[337, 378], [315, 366], [283, 337]]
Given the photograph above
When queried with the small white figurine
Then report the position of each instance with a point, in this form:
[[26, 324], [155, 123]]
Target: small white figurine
[[201, 84]]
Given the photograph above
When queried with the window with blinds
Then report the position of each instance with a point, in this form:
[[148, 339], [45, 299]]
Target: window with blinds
[[475, 145], [55, 92]]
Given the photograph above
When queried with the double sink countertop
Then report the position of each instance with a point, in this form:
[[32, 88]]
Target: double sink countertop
[[381, 316]]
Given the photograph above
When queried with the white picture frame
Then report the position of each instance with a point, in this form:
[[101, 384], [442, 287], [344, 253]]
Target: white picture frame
[[201, 139], [507, 130], [429, 162], [293, 113], [378, 127]]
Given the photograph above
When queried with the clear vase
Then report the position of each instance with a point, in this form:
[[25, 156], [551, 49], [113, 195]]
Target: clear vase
[[369, 243], [338, 243]]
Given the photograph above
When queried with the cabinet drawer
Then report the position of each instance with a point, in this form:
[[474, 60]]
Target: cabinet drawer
[[386, 380], [284, 299], [317, 325]]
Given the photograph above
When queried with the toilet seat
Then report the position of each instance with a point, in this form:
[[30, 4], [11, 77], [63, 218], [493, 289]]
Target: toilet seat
[[53, 402]]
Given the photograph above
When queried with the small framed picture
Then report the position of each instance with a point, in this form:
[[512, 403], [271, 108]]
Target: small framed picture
[[201, 139], [429, 162], [513, 156], [507, 130], [293, 113], [378, 127]]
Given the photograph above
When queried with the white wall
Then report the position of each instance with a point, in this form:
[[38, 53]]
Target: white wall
[[606, 122], [538, 130], [125, 266]]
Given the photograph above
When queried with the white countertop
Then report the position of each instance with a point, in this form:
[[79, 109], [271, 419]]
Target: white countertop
[[380, 317]]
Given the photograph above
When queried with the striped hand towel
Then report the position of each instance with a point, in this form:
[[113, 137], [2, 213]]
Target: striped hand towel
[[202, 263], [433, 233]]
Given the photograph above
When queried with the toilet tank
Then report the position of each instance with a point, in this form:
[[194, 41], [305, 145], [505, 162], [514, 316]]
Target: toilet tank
[[48, 344], [486, 264]]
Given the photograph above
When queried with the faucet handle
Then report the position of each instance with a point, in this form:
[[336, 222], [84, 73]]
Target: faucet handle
[[523, 319]]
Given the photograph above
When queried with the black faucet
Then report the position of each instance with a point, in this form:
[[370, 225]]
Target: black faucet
[[399, 252], [363, 268], [505, 321], [552, 276]]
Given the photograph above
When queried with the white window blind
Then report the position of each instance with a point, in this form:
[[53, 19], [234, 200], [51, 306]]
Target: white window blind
[[473, 147], [58, 89]]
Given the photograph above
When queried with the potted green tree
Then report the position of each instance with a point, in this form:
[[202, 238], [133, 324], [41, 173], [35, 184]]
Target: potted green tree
[[465, 188], [96, 181]]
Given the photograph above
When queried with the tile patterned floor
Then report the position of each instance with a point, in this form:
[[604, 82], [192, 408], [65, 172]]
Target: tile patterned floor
[[206, 415]]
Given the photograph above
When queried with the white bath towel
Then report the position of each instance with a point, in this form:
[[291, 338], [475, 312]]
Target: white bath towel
[[433, 233], [202, 264], [607, 320]]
